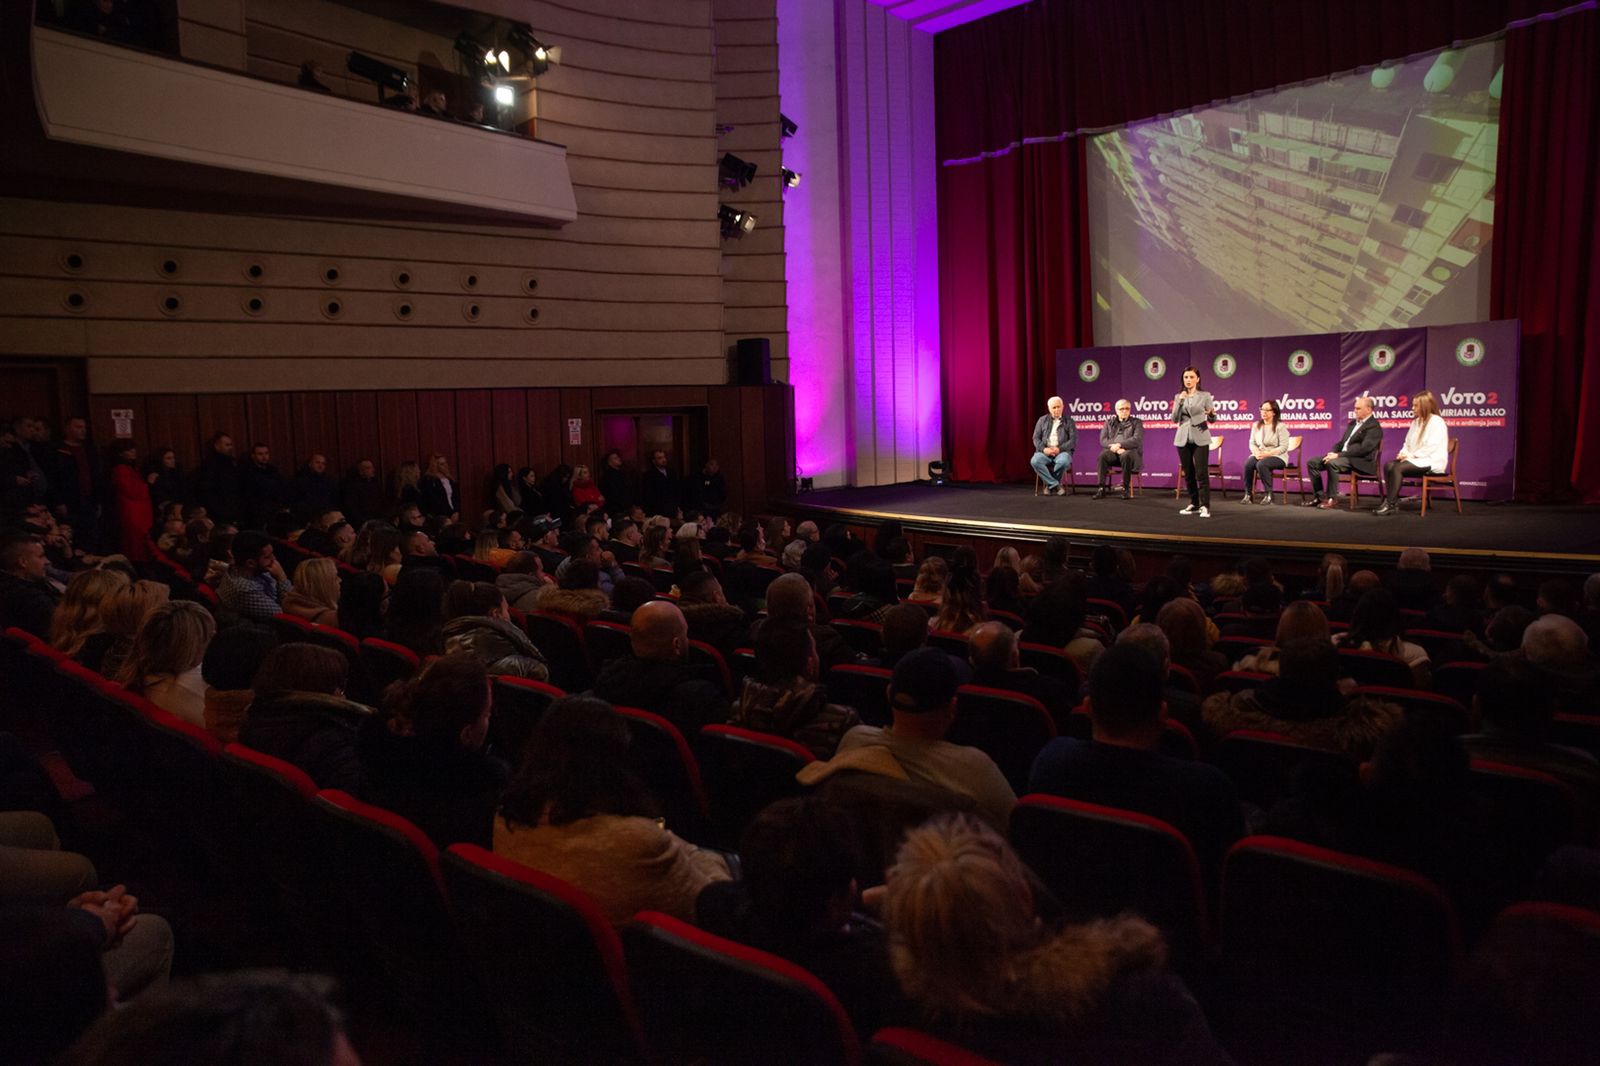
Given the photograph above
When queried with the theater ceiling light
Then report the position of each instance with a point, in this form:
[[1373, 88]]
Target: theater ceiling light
[[735, 223], [788, 126], [791, 178], [735, 172]]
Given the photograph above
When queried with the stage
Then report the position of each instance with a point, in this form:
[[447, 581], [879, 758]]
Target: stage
[[1520, 537]]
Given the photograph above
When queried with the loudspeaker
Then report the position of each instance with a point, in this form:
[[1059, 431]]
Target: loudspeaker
[[752, 361]]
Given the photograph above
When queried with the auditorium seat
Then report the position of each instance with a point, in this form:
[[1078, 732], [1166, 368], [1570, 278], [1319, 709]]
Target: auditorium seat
[[1376, 668], [1262, 764], [560, 640], [1112, 610], [1009, 727], [1176, 739], [1012, 620], [704, 998], [743, 664], [1051, 662], [386, 662], [1458, 680], [1234, 648], [662, 759], [1580, 731], [1336, 945], [1182, 678], [1533, 814], [1417, 700], [881, 809], [949, 642], [519, 703], [345, 644], [743, 771], [910, 1047], [864, 638], [708, 661], [1237, 623], [470, 569], [1100, 861], [291, 628], [606, 641], [1441, 646], [550, 964], [1238, 680], [866, 688]]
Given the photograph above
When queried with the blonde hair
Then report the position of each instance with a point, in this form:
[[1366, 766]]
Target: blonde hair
[[958, 910], [1301, 620], [486, 544], [127, 608], [172, 641], [318, 580], [1330, 575], [1427, 407], [1009, 556], [81, 612], [931, 575], [407, 475]]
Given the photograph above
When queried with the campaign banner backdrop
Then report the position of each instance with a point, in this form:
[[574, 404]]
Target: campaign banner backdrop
[[1390, 366], [1472, 372], [1302, 374], [1231, 372], [1152, 374]]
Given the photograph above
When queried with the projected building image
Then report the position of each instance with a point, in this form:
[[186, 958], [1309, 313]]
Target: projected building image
[[1358, 203]]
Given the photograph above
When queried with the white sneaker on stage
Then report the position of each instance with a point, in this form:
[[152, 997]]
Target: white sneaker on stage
[[1191, 509], [1205, 512]]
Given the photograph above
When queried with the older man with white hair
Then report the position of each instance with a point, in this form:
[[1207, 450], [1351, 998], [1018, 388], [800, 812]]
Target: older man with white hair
[[1558, 646], [1054, 438], [1121, 445]]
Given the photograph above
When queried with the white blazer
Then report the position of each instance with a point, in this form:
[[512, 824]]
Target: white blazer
[[1428, 447]]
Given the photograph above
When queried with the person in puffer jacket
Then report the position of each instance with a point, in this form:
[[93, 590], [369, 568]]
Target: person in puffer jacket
[[480, 625], [784, 697]]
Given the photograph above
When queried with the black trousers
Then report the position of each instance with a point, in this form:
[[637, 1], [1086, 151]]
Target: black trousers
[[1193, 459], [1316, 466], [1267, 467], [1127, 460], [1396, 470]]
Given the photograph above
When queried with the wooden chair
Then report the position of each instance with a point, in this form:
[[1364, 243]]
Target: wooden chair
[[1445, 480], [1291, 466], [1213, 470], [1069, 481], [1353, 478]]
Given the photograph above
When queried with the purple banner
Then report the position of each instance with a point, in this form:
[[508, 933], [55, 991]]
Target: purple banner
[[1472, 372], [1089, 381], [1152, 374], [1302, 374], [1390, 366], [1231, 372]]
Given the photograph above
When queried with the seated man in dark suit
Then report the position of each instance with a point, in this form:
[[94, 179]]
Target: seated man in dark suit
[[1357, 450], [993, 651], [1121, 767], [1121, 444]]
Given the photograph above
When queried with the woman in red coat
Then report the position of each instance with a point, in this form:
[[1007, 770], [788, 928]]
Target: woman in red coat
[[135, 514]]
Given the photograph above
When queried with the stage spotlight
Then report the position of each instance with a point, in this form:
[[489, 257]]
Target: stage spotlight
[[378, 72], [791, 178], [735, 223], [735, 172], [789, 129], [540, 55], [476, 56], [938, 472], [504, 95]]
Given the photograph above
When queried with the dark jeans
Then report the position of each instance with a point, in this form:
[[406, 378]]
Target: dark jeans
[[1396, 470], [1315, 468], [1127, 460], [1193, 458], [1266, 467]]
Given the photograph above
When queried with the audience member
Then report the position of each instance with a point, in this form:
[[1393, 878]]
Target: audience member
[[134, 512], [922, 700], [1377, 625], [164, 477], [479, 625], [361, 494], [78, 627], [556, 491], [425, 758], [1461, 609], [1106, 583], [994, 651], [1056, 617], [414, 619], [784, 698], [436, 490], [962, 606], [300, 715], [163, 665], [970, 951], [318, 534], [363, 601], [255, 586], [1123, 767], [123, 613], [659, 488], [262, 490], [712, 619], [1003, 592], [315, 593], [1301, 620], [1412, 581], [1559, 647], [929, 585], [871, 581], [1359, 584], [657, 676], [27, 599], [1184, 622], [523, 581], [905, 629], [313, 491], [229, 668], [575, 810], [577, 594]]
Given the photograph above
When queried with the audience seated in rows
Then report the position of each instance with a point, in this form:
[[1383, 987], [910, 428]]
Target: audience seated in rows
[[315, 593], [1377, 625], [1182, 704], [784, 698], [299, 714], [962, 605], [994, 651], [163, 665], [575, 810], [479, 625], [657, 676], [791, 597], [231, 663]]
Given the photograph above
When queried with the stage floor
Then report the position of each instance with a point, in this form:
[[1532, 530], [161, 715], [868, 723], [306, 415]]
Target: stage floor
[[1552, 537]]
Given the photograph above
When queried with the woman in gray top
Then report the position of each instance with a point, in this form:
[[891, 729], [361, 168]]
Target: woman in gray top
[[1194, 411], [1269, 446]]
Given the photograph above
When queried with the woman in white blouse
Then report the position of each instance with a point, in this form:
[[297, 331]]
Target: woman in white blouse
[[1269, 443], [1426, 451]]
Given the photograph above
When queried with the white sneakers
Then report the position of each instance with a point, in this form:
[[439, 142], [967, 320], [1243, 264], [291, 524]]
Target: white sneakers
[[1203, 512]]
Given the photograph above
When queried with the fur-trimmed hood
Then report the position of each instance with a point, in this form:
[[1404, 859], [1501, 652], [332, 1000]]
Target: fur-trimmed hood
[[1354, 730], [577, 603]]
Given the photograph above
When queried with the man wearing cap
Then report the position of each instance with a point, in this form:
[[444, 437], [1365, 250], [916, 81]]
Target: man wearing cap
[[922, 700]]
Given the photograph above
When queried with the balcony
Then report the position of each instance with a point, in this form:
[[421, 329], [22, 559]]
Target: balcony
[[187, 126]]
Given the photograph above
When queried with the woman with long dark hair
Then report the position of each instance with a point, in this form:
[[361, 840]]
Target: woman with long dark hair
[[1194, 410], [507, 493], [1269, 444], [162, 475]]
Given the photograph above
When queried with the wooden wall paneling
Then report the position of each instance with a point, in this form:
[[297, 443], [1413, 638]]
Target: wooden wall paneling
[[100, 426], [545, 430], [752, 440], [474, 452], [357, 414], [223, 412], [173, 423], [314, 424], [270, 425], [436, 426], [577, 403], [777, 455], [397, 430], [725, 440], [508, 411]]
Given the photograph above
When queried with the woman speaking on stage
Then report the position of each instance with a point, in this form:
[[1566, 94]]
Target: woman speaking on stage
[[1194, 411]]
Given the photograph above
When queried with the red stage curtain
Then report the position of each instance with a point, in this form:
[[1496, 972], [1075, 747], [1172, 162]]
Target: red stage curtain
[[1545, 269], [1013, 287], [1013, 232]]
